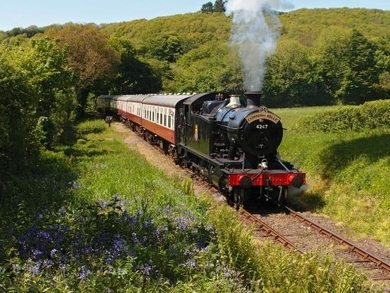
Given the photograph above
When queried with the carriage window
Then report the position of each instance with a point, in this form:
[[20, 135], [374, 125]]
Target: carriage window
[[169, 121]]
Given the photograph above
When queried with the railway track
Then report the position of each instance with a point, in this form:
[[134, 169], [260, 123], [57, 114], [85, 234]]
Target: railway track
[[375, 268], [262, 226], [364, 254]]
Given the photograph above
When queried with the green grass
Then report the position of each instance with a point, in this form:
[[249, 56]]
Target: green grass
[[347, 173], [96, 215]]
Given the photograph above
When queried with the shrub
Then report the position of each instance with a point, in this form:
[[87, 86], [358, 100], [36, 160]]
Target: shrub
[[94, 126], [370, 115]]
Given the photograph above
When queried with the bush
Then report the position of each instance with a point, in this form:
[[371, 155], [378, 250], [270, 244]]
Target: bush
[[94, 126], [370, 115]]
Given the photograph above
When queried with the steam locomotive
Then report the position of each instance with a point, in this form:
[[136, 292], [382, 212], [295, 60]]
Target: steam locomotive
[[230, 140]]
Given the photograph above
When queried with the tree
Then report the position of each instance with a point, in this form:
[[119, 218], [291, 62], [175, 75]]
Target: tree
[[219, 6], [89, 55], [211, 67], [16, 103], [133, 76], [164, 47], [329, 51], [360, 74], [50, 82], [207, 7], [382, 57], [292, 77]]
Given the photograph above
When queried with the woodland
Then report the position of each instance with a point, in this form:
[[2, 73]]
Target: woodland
[[51, 76]]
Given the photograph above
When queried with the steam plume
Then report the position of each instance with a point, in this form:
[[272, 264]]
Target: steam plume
[[255, 31]]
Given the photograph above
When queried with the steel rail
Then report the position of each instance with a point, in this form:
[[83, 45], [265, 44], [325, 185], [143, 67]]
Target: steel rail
[[354, 248], [263, 226]]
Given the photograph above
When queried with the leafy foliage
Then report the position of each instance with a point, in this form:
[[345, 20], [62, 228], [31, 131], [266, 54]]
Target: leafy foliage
[[89, 56], [337, 60], [205, 69], [218, 6], [37, 103], [369, 116], [133, 76]]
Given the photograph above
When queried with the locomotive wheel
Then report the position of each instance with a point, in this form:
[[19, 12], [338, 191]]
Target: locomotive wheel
[[241, 198]]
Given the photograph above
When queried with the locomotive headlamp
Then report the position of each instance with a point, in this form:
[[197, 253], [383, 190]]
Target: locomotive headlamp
[[295, 180], [246, 182]]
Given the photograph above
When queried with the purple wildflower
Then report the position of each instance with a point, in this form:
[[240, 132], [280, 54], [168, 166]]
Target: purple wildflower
[[62, 211], [87, 250], [53, 253], [134, 238], [34, 269], [36, 253], [183, 223], [103, 204], [146, 269], [47, 263], [190, 264], [84, 273]]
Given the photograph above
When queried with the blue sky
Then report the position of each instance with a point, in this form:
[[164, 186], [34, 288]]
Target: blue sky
[[23, 13]]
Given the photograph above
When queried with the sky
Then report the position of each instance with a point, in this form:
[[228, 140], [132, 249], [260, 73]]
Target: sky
[[23, 13]]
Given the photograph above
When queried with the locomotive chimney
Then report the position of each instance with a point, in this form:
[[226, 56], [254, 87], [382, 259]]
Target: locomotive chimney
[[254, 96]]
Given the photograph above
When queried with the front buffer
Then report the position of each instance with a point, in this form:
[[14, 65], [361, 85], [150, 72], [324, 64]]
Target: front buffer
[[247, 184]]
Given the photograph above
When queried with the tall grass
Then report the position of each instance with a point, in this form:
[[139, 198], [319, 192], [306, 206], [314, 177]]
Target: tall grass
[[97, 217]]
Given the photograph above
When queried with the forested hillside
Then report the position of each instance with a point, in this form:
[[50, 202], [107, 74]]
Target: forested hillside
[[324, 56], [51, 75]]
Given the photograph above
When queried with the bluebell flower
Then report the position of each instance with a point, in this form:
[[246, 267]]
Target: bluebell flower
[[36, 253], [134, 237], [16, 267], [44, 235], [47, 263], [190, 264], [103, 204], [62, 211], [119, 244], [87, 250], [34, 269], [146, 269], [62, 268], [167, 209], [84, 273], [183, 223], [129, 219], [53, 253]]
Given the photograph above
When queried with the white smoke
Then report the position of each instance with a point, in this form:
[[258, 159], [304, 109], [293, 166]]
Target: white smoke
[[255, 31]]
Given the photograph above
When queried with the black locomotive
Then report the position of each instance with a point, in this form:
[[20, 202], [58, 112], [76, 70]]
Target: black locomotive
[[230, 140]]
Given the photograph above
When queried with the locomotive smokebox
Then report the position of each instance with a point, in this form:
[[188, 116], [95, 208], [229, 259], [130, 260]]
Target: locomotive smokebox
[[254, 96]]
